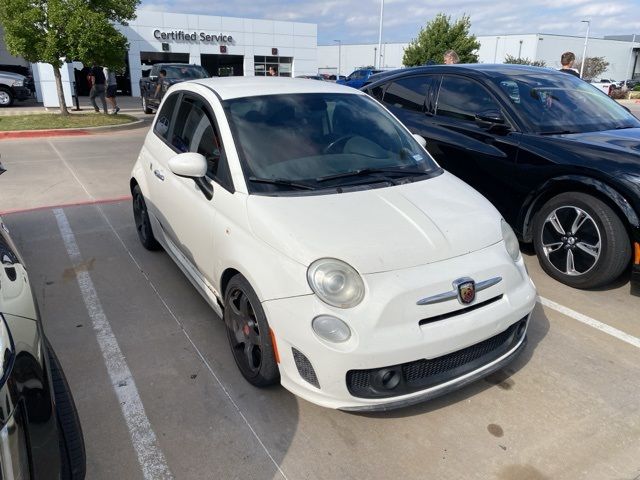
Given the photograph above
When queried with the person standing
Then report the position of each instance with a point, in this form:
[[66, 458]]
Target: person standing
[[566, 60], [162, 75], [98, 87], [273, 71], [451, 57], [112, 86]]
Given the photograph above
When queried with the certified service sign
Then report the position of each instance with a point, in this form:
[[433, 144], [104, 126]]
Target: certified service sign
[[181, 35]]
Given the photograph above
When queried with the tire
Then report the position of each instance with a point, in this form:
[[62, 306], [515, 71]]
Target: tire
[[142, 221], [145, 107], [598, 250], [248, 334], [71, 441], [6, 97]]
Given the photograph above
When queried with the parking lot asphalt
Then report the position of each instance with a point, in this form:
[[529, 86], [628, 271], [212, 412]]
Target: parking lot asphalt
[[567, 408]]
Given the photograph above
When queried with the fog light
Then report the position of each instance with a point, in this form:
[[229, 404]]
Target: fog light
[[331, 329], [387, 378]]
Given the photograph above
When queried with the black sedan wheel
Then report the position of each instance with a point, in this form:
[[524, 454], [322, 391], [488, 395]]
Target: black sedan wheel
[[248, 334], [580, 241], [142, 221]]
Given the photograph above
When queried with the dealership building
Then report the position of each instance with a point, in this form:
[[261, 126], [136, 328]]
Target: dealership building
[[223, 45], [622, 53]]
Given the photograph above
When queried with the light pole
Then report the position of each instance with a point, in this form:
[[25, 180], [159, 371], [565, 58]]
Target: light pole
[[520, 50], [633, 44], [380, 34], [495, 52], [339, 56], [584, 50]]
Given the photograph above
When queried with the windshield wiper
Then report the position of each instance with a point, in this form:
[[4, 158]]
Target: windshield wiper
[[368, 171], [282, 181], [559, 132]]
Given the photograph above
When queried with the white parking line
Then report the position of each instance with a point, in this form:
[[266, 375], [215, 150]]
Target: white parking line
[[592, 322], [152, 461]]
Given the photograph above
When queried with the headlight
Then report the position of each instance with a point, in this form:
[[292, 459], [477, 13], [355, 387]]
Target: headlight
[[335, 282], [510, 241], [18, 83]]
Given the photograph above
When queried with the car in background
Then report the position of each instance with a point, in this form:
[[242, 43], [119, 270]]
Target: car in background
[[560, 160], [358, 77], [345, 263], [312, 77], [13, 86], [40, 433], [151, 96]]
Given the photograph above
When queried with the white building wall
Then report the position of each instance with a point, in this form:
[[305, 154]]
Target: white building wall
[[550, 48], [250, 37], [353, 57]]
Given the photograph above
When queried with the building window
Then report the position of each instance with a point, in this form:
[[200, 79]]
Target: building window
[[282, 65]]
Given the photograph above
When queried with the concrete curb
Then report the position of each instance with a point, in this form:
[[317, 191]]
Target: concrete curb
[[61, 132]]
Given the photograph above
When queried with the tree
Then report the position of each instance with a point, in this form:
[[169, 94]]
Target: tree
[[524, 61], [438, 36], [593, 67], [52, 31]]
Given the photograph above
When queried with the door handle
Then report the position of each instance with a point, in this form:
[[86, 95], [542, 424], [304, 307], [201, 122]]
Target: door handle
[[159, 174]]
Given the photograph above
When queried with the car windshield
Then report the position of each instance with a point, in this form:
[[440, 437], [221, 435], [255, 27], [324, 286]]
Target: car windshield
[[186, 71], [315, 141], [555, 103]]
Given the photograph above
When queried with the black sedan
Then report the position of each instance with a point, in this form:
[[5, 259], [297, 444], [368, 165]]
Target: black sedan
[[40, 434], [557, 157]]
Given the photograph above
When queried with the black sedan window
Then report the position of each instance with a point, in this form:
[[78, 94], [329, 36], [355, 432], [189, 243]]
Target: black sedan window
[[555, 103], [463, 99]]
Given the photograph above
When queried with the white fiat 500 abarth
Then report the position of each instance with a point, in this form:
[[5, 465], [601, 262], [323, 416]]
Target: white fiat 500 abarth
[[345, 263]]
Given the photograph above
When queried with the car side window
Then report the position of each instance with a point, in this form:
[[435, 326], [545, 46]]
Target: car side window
[[195, 131], [378, 92], [408, 93], [462, 98], [163, 121]]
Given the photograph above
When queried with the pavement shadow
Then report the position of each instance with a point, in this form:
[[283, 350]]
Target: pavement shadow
[[538, 329]]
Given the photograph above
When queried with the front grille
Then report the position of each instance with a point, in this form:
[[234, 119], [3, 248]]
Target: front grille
[[421, 374], [305, 369], [460, 311]]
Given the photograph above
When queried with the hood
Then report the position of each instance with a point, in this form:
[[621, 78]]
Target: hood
[[13, 76], [626, 140], [380, 229]]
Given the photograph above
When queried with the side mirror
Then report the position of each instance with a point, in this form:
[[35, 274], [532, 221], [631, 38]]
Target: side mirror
[[420, 139], [490, 116], [189, 164], [492, 120]]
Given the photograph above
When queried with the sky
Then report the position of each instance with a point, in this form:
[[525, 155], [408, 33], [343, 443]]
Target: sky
[[356, 21]]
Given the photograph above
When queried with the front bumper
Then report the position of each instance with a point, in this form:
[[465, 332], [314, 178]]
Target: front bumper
[[21, 93], [389, 329]]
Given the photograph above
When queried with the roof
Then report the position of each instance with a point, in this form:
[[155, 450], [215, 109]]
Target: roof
[[236, 87], [486, 69]]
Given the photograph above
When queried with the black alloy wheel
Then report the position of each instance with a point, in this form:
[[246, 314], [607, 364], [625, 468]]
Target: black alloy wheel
[[580, 241], [248, 334], [142, 221]]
